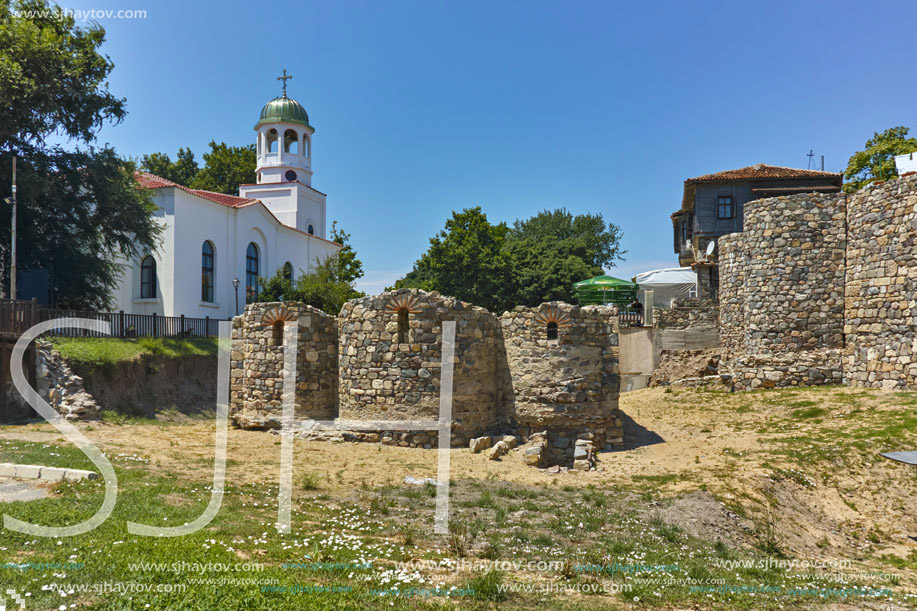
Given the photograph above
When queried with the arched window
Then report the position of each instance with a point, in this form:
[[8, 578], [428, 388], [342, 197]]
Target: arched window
[[306, 147], [288, 271], [148, 278], [403, 327], [207, 272], [311, 230], [272, 138], [290, 142], [552, 330], [277, 333], [251, 273]]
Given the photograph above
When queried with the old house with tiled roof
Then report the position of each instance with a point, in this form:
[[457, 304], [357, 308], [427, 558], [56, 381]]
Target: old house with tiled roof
[[215, 246], [712, 204]]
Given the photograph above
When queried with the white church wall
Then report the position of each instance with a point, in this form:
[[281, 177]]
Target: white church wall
[[126, 296]]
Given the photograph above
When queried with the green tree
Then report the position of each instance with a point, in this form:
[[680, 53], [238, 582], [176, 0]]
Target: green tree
[[79, 211], [327, 286], [350, 268], [599, 243], [877, 161], [465, 260], [322, 287], [537, 260], [225, 168], [546, 270], [182, 171]]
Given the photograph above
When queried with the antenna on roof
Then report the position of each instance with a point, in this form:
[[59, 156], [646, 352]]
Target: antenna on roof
[[810, 155]]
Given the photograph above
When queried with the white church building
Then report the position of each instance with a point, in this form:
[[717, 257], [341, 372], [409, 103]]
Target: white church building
[[215, 246]]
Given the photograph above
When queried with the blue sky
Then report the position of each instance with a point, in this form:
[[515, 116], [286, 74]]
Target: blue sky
[[424, 107]]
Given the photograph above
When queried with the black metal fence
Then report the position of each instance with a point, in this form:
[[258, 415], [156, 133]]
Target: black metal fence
[[17, 316]]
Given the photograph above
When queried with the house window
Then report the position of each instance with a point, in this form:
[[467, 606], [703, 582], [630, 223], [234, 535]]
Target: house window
[[403, 326], [726, 209], [552, 331], [288, 271], [277, 333], [207, 272], [148, 278], [251, 273]]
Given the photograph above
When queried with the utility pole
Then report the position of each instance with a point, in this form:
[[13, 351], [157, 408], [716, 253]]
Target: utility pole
[[13, 248]]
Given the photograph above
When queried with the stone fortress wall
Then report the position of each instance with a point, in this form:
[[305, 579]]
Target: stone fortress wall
[[881, 290], [552, 369], [256, 377], [568, 384], [387, 374], [817, 289]]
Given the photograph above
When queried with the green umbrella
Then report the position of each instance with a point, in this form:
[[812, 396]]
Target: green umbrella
[[605, 282], [605, 289]]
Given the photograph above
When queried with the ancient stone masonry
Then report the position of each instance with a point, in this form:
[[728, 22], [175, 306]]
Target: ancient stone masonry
[[881, 290], [60, 387], [256, 380], [782, 315], [390, 363], [565, 377], [687, 312], [820, 289], [547, 375]]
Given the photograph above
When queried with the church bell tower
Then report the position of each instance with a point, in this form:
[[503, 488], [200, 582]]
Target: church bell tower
[[284, 165]]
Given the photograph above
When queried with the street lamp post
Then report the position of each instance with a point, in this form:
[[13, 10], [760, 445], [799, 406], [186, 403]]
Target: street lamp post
[[235, 285]]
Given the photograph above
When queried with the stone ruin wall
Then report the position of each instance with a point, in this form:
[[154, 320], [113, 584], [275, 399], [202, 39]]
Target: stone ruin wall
[[881, 290], [508, 377], [732, 264], [382, 379], [256, 378], [568, 386], [782, 292], [821, 289], [687, 313]]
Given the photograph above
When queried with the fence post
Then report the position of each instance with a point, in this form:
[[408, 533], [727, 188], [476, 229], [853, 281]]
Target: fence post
[[33, 314], [206, 326], [155, 329], [181, 322], [121, 323]]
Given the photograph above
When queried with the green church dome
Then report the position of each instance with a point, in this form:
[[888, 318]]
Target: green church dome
[[283, 110]]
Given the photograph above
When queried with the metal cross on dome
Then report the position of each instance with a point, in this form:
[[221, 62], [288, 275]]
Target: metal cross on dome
[[284, 77]]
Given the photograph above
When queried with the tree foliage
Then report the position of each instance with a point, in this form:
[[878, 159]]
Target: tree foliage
[[321, 287], [496, 267], [225, 167], [349, 268], [465, 260], [182, 170], [877, 161], [79, 210]]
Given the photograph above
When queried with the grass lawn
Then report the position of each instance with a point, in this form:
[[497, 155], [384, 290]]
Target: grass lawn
[[639, 534], [99, 352]]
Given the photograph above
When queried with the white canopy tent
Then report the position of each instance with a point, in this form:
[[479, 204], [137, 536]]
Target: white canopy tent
[[667, 284]]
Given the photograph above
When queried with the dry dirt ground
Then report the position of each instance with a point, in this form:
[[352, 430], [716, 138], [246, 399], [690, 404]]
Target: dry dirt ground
[[797, 470]]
